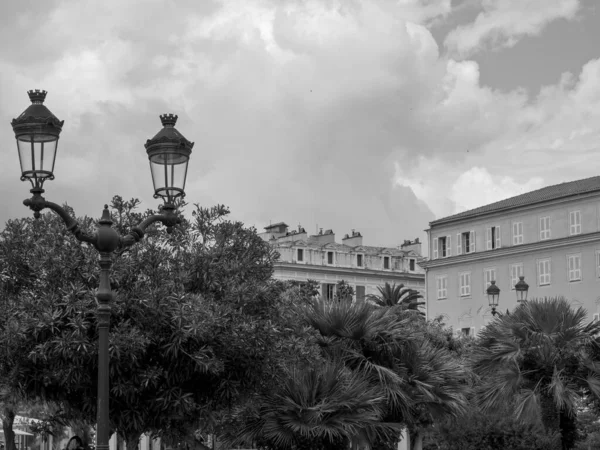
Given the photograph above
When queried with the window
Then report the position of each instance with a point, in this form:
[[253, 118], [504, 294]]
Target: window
[[489, 275], [574, 267], [300, 257], [465, 242], [544, 228], [329, 257], [442, 286], [386, 262], [517, 233], [411, 264], [465, 284], [544, 270], [574, 222], [360, 293], [359, 260], [441, 247], [465, 331], [330, 291], [516, 271], [492, 237]]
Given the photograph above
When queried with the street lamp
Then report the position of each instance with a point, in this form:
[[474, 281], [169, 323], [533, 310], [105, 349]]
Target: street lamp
[[521, 289], [37, 131], [493, 293]]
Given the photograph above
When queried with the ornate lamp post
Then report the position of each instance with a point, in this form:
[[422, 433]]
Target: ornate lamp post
[[493, 293], [37, 131], [521, 289]]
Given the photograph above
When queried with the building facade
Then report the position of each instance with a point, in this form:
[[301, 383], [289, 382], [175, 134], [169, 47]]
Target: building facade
[[550, 236], [320, 258]]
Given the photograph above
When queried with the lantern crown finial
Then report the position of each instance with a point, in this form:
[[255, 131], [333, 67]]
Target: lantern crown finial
[[37, 96], [168, 120]]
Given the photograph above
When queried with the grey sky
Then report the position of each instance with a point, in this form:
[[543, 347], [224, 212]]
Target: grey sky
[[377, 115]]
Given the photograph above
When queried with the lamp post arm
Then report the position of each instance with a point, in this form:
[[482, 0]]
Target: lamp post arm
[[37, 203], [167, 218]]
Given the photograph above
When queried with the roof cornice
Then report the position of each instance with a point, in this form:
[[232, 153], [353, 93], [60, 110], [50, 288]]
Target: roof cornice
[[513, 250], [349, 271], [502, 211]]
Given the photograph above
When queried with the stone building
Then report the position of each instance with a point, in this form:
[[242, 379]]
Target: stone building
[[319, 257], [550, 236]]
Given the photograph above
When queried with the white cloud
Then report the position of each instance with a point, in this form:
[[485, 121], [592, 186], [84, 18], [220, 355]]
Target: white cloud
[[502, 23], [300, 111], [452, 191], [477, 187]]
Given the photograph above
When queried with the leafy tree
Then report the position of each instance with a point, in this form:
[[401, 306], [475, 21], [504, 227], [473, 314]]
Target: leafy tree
[[393, 295], [544, 356], [343, 291], [308, 288], [478, 431], [191, 323]]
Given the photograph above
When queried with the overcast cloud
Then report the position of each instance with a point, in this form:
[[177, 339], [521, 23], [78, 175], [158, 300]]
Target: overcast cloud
[[342, 114]]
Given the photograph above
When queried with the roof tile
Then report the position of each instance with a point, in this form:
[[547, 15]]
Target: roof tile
[[547, 193]]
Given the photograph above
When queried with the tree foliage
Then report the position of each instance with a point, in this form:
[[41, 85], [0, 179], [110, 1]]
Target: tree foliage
[[398, 295], [479, 431], [545, 356], [194, 321], [414, 379]]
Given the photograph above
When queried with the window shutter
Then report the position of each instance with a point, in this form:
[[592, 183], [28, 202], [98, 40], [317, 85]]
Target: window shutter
[[472, 333], [458, 244], [488, 238], [472, 241], [498, 240], [436, 242], [515, 232], [448, 246]]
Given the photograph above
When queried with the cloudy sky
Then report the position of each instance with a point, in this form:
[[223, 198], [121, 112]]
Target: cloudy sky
[[377, 115]]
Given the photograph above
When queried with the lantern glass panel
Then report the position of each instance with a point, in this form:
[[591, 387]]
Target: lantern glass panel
[[37, 154], [169, 171], [522, 295]]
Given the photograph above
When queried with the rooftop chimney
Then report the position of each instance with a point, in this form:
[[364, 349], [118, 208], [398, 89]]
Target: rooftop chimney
[[409, 245], [274, 231], [323, 237], [354, 240]]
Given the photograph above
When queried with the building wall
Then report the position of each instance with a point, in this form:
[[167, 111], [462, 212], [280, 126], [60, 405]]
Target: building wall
[[354, 278], [558, 212], [473, 310], [347, 259]]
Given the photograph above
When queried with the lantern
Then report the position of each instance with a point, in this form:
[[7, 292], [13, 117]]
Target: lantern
[[37, 131]]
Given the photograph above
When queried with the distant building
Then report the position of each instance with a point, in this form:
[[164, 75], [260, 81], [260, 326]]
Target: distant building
[[364, 267], [551, 236]]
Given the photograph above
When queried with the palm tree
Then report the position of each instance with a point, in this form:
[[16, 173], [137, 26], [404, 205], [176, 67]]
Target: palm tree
[[394, 295], [544, 356], [324, 407], [421, 381]]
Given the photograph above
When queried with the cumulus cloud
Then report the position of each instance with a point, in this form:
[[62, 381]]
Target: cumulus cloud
[[477, 187], [503, 23], [336, 113]]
